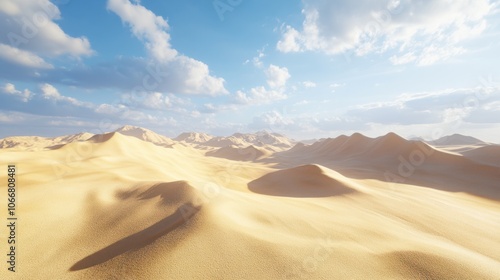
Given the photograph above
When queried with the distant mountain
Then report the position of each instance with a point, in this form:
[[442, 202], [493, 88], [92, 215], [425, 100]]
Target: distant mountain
[[456, 139], [259, 139], [262, 138], [221, 141], [358, 146], [194, 137], [145, 135], [249, 153], [37, 142]]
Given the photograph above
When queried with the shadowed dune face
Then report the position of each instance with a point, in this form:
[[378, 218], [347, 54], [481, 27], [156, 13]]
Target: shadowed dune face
[[486, 155], [171, 193], [178, 201], [140, 239], [302, 181]]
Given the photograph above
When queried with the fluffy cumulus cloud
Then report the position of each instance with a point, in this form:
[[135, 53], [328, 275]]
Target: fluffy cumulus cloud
[[31, 33], [277, 78], [309, 84], [44, 101], [10, 89], [32, 39], [421, 32], [259, 95], [179, 73]]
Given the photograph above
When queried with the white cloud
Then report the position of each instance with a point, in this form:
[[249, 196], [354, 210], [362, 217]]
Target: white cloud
[[24, 58], [153, 101], [335, 86], [29, 27], [421, 31], [191, 76], [214, 108], [290, 41], [259, 95], [146, 26], [277, 76], [309, 84], [257, 60], [24, 95], [50, 92], [403, 59], [432, 54], [157, 100], [272, 120]]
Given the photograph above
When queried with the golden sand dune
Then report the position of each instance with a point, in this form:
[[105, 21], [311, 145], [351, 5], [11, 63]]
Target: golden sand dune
[[117, 207], [302, 181], [249, 153], [394, 159], [145, 135], [487, 154]]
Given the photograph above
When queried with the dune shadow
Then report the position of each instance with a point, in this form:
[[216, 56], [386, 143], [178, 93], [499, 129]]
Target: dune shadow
[[140, 239], [55, 147], [302, 181], [169, 192]]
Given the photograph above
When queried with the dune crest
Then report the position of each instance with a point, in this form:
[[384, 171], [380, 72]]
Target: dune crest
[[249, 153], [303, 181]]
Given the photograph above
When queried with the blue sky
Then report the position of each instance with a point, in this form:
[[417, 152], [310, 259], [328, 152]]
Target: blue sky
[[307, 69]]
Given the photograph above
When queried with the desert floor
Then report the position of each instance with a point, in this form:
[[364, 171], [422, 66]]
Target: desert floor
[[352, 207]]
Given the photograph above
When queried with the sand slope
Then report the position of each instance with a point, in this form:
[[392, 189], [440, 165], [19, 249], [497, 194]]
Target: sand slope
[[302, 181], [117, 207], [394, 159], [487, 155], [249, 153]]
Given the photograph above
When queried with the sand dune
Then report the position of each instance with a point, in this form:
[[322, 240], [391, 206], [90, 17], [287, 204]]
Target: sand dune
[[39, 143], [249, 153], [193, 137], [392, 158], [456, 139], [145, 135], [259, 139], [302, 181], [117, 207], [487, 155]]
